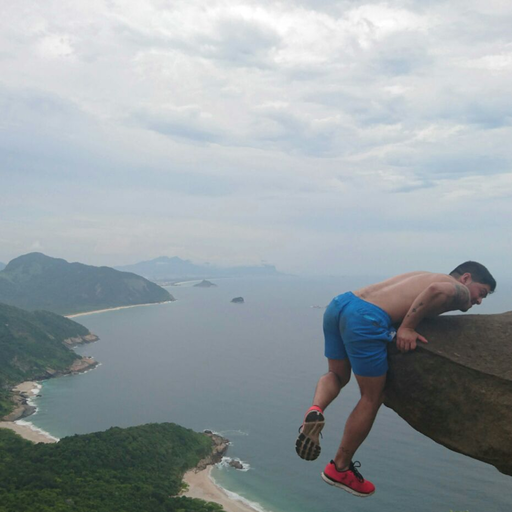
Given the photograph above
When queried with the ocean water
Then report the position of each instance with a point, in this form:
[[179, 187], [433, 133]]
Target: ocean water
[[249, 372]]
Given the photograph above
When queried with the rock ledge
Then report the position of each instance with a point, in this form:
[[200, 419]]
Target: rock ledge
[[457, 389]]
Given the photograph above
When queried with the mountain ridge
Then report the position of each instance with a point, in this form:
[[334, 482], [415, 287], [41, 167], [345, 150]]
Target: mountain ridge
[[36, 281], [165, 267]]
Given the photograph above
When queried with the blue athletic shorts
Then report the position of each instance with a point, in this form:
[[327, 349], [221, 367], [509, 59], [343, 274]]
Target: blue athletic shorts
[[358, 330]]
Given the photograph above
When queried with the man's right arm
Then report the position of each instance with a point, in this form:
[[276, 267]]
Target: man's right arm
[[437, 298]]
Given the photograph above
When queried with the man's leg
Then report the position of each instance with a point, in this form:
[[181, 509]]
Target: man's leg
[[361, 419], [341, 472], [307, 445], [332, 382]]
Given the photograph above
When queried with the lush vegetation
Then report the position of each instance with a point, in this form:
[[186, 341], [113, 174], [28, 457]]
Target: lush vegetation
[[35, 281], [138, 469], [30, 344]]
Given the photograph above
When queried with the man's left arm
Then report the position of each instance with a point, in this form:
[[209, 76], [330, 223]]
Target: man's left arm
[[434, 300]]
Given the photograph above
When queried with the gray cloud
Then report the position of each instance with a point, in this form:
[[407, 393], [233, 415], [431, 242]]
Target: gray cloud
[[178, 126], [323, 126]]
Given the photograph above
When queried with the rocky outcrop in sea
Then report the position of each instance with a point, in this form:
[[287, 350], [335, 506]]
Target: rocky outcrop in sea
[[219, 448]]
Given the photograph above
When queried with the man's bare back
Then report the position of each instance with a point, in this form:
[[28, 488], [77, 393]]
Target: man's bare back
[[396, 295]]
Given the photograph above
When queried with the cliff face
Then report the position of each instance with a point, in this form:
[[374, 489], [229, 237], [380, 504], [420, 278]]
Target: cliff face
[[457, 389]]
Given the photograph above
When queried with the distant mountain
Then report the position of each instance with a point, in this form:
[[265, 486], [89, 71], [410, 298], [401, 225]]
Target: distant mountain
[[175, 268], [35, 281], [32, 346], [2, 265]]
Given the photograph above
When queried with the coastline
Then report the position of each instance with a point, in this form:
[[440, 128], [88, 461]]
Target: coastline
[[201, 485], [25, 391], [74, 315], [28, 389], [199, 481]]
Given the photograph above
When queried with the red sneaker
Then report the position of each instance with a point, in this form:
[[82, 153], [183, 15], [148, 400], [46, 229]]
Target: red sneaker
[[307, 445], [349, 480]]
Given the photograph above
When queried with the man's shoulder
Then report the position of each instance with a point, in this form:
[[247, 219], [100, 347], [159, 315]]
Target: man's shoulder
[[445, 278], [426, 277]]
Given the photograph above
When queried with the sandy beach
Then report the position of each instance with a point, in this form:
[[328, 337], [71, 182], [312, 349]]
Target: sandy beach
[[118, 308], [201, 485], [28, 388], [24, 429], [27, 432]]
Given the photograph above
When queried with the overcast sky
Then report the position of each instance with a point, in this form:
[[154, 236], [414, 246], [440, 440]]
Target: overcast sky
[[332, 137]]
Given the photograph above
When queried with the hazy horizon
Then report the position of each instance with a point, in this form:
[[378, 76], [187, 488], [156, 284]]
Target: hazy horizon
[[281, 272], [339, 137]]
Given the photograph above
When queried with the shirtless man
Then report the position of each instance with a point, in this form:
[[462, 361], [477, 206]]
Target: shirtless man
[[357, 327]]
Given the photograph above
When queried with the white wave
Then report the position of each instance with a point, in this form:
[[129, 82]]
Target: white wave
[[36, 389], [234, 432], [236, 497], [86, 371], [24, 423], [32, 403], [224, 463], [31, 400]]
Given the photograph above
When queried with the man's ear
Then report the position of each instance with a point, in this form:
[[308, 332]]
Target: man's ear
[[465, 278]]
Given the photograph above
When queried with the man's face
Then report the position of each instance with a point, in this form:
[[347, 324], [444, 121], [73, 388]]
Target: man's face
[[478, 292]]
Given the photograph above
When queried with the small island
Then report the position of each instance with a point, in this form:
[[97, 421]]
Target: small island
[[205, 284], [238, 300]]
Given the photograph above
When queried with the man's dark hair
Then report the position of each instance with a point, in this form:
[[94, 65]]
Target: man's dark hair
[[478, 273]]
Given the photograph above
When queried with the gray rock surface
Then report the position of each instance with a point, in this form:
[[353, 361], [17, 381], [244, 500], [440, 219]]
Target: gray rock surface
[[457, 389], [236, 464], [79, 340]]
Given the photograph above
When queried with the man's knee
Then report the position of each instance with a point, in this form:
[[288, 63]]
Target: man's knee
[[341, 369], [374, 399], [342, 378]]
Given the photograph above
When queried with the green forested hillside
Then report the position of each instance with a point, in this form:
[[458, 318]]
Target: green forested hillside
[[35, 281], [138, 469], [30, 344]]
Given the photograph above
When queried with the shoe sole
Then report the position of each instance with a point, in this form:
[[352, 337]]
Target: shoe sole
[[339, 485], [307, 445]]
